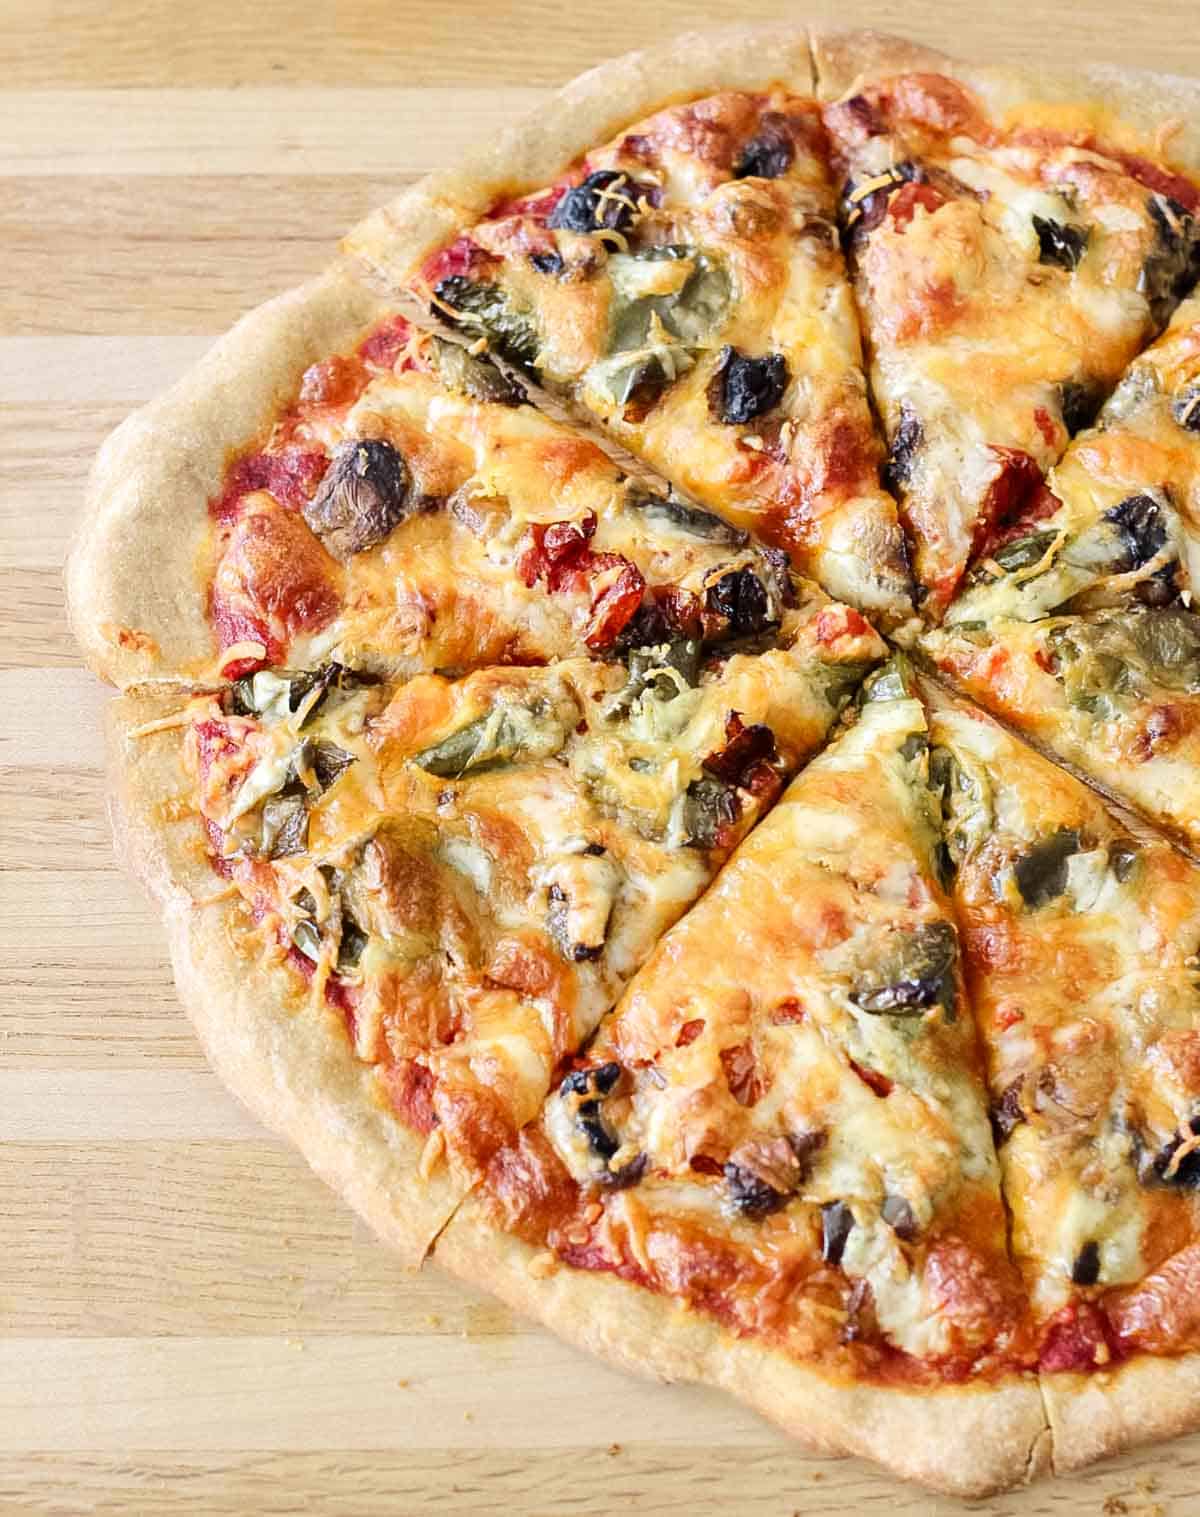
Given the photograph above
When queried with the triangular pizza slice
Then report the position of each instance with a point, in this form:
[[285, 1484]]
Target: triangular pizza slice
[[772, 1167], [1080, 939], [682, 285], [463, 874], [1011, 255]]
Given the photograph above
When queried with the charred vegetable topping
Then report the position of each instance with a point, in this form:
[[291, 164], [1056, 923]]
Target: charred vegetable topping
[[1041, 874], [1007, 1114], [1024, 552], [484, 308], [770, 154], [1185, 408], [690, 519], [898, 1215], [910, 434], [864, 206], [1143, 530], [606, 201], [747, 750], [506, 735], [1177, 1163], [916, 973], [558, 922], [1086, 1268], [351, 945], [1079, 400], [366, 492], [741, 598], [710, 810], [548, 263], [1169, 641], [475, 377], [742, 388], [584, 1090], [1060, 243], [1173, 265], [268, 692], [581, 892], [763, 1174], [657, 670], [306, 936], [837, 1223], [284, 826]]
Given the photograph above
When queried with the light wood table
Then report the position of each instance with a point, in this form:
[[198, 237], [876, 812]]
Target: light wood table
[[189, 1323]]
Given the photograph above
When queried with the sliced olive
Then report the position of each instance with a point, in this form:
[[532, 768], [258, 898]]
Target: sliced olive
[[689, 519], [484, 307], [1163, 1169], [919, 974], [1060, 243], [548, 263], [769, 155], [1086, 1268], [742, 388], [1079, 400], [351, 945], [750, 1193], [1174, 262], [558, 925], [628, 1174], [1142, 526], [898, 1215], [910, 434], [365, 493], [584, 1090], [1007, 1113], [1185, 408], [710, 808], [837, 1223], [1041, 874], [597, 1081], [606, 201], [284, 827], [741, 598]]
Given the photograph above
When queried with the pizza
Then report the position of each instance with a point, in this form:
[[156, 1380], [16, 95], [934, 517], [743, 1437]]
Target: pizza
[[551, 648]]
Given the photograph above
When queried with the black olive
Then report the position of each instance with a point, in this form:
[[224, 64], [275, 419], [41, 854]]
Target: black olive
[[910, 434], [628, 1174], [709, 808], [898, 1215], [1159, 589], [1185, 408], [601, 1141], [366, 492], [1041, 874], [595, 851], [547, 263], [350, 948], [750, 1194], [596, 1081], [1186, 1174], [837, 1223], [1172, 266], [1086, 1269], [1122, 856], [557, 925], [1143, 530], [1007, 1114], [770, 154], [586, 208], [862, 214], [740, 597], [1079, 400], [1060, 243], [742, 388]]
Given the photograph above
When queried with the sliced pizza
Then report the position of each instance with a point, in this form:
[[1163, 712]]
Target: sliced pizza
[[1010, 255], [782, 1128], [682, 285], [1115, 693], [1081, 941], [470, 870], [1119, 519]]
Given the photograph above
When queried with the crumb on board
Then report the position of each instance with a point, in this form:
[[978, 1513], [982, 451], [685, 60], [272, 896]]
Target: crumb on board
[[614, 1448]]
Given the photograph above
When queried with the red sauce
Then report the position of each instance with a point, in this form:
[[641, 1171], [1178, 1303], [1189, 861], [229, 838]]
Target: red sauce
[[291, 476], [538, 205], [835, 622], [410, 1086], [903, 205], [385, 344], [234, 624], [463, 257], [877, 1082], [1077, 1339]]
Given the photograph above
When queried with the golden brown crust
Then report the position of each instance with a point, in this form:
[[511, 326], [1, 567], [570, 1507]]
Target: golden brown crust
[[136, 581], [966, 1441], [288, 1062], [1141, 100], [587, 111], [1095, 1416]]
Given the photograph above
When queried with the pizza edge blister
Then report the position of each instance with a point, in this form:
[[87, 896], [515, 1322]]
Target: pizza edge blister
[[312, 1089]]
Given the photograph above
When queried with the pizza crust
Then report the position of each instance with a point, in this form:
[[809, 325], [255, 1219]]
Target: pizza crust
[[136, 576], [1137, 98], [589, 110], [967, 1442], [288, 1062], [1095, 1416]]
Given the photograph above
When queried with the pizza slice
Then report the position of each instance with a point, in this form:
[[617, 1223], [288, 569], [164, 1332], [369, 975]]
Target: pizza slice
[[1115, 693], [1119, 520], [392, 503], [772, 1167], [682, 285], [1080, 940], [462, 875], [1012, 250]]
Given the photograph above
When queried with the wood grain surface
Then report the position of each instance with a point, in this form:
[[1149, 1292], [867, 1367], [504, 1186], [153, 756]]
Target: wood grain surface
[[188, 1322]]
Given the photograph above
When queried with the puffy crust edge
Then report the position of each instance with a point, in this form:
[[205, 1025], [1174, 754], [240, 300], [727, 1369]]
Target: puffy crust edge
[[1095, 1416], [292, 1069], [589, 110], [965, 1441], [135, 577], [1139, 98]]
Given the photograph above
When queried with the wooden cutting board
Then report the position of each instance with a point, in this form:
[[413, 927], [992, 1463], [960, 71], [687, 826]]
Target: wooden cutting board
[[189, 1323]]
